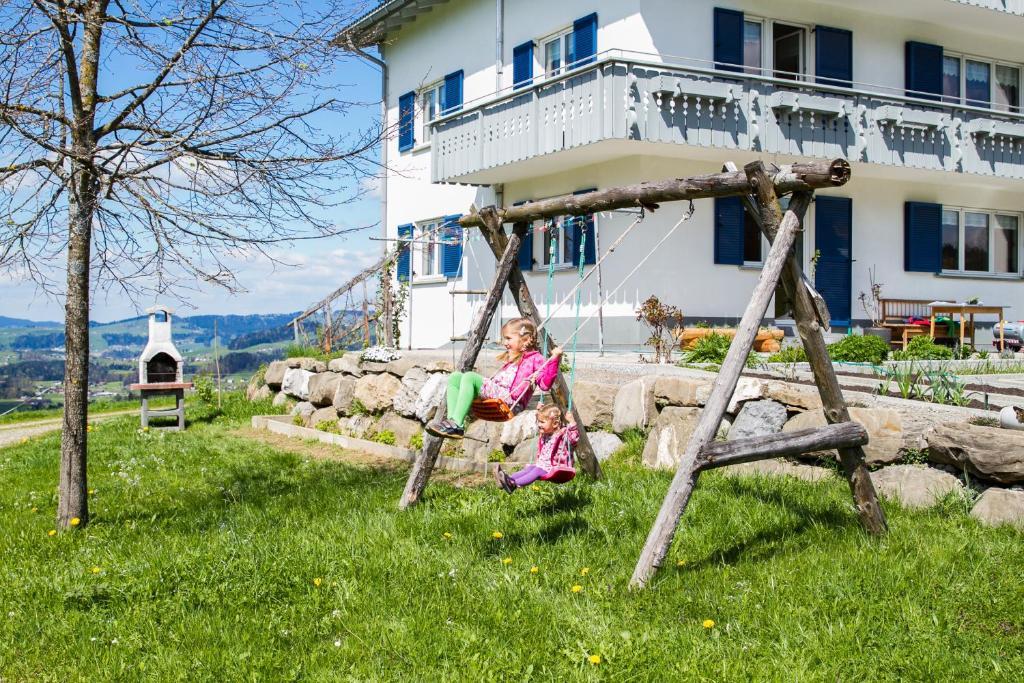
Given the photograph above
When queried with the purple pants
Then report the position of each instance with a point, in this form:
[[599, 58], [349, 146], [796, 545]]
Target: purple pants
[[528, 475]]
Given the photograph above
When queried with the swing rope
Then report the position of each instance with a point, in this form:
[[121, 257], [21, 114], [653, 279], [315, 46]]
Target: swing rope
[[579, 294]]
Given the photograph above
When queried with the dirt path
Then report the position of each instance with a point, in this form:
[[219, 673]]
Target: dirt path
[[14, 433]]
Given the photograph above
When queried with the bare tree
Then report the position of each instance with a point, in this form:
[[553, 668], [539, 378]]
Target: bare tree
[[152, 144]]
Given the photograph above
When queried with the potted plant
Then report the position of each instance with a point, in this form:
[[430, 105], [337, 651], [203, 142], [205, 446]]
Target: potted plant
[[661, 319], [872, 305]]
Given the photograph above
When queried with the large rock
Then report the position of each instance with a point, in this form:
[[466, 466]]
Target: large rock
[[282, 399], [343, 394], [884, 427], [758, 418], [747, 389], [678, 391], [376, 392], [412, 384], [595, 403], [634, 405], [347, 364], [525, 451], [987, 452], [296, 383], [520, 428], [914, 486], [275, 374], [322, 387], [303, 409], [778, 467], [372, 366], [403, 428], [308, 364], [604, 444], [329, 415], [795, 396], [355, 426], [669, 434], [440, 366], [482, 437], [431, 395], [261, 394], [400, 366], [998, 506]]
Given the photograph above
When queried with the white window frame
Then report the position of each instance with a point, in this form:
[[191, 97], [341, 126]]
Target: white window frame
[[562, 35], [768, 48], [423, 118], [542, 243], [765, 245], [961, 96], [427, 237], [992, 227]]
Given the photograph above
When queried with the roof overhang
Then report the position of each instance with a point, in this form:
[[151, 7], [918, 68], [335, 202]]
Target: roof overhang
[[373, 27]]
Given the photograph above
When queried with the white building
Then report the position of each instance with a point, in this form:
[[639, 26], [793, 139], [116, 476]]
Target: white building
[[501, 102]]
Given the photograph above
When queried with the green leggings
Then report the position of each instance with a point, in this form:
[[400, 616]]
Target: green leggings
[[463, 387]]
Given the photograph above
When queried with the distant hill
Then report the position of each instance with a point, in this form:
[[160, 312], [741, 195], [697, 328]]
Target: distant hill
[[23, 323]]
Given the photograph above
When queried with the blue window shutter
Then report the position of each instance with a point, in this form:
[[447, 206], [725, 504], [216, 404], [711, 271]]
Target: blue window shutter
[[728, 39], [451, 93], [525, 247], [729, 231], [584, 223], [405, 253], [522, 65], [584, 33], [833, 239], [451, 249], [833, 56], [923, 70], [406, 121], [922, 237]]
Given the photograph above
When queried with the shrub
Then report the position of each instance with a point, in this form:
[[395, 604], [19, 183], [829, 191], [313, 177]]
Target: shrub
[[386, 437], [298, 421], [329, 426], [914, 456], [790, 354], [204, 388], [305, 351], [497, 455], [984, 421], [712, 348], [859, 349], [416, 441], [357, 408], [923, 347], [659, 318]]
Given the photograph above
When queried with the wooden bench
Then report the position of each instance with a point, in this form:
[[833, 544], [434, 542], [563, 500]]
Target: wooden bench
[[895, 313]]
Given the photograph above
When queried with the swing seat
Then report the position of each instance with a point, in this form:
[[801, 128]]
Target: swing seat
[[559, 475], [491, 410]]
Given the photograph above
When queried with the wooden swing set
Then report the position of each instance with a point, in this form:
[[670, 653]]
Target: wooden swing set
[[760, 192]]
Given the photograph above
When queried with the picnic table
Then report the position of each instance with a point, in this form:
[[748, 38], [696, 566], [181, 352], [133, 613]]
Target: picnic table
[[969, 311]]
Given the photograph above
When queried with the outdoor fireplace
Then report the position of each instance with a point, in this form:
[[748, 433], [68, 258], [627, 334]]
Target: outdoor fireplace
[[160, 369]]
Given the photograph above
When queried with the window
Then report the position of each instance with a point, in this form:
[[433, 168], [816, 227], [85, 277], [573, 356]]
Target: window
[[980, 83], [430, 105], [428, 249], [785, 51], [556, 52], [976, 241], [951, 78], [752, 47], [788, 58], [559, 231], [753, 242], [1006, 95]]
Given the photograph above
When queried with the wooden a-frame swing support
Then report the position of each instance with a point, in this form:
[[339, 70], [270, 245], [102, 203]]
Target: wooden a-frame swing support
[[760, 192]]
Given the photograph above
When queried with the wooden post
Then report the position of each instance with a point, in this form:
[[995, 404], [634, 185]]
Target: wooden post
[[660, 538], [328, 327], [427, 456], [498, 242], [871, 516]]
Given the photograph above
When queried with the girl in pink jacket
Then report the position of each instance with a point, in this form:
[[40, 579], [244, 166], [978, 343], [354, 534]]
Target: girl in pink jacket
[[558, 434], [512, 384]]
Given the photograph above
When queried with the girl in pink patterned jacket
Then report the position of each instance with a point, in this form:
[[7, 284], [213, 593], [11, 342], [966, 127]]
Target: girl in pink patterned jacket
[[558, 435], [513, 383]]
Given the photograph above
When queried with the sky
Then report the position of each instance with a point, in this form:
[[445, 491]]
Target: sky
[[313, 267]]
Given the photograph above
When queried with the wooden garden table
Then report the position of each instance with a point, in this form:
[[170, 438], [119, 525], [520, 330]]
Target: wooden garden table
[[971, 310]]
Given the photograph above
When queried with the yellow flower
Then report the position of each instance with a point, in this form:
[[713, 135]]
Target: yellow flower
[[709, 623], [35, 509], [317, 581], [447, 535], [507, 560], [497, 535], [51, 532], [75, 521], [584, 571], [534, 569], [680, 563], [92, 491], [594, 659], [95, 570], [577, 588], [534, 487], [24, 439], [145, 429]]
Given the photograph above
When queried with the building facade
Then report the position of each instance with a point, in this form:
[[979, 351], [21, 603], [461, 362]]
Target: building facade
[[498, 102]]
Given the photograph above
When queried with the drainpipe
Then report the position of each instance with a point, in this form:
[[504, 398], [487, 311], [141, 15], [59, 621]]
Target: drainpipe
[[499, 40]]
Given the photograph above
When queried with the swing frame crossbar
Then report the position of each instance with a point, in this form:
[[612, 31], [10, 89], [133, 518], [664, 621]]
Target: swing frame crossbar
[[760, 192]]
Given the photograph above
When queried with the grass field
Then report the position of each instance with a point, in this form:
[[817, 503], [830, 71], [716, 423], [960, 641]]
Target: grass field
[[215, 557], [95, 408]]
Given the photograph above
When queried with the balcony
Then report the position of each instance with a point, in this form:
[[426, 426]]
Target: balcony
[[624, 105], [1008, 6]]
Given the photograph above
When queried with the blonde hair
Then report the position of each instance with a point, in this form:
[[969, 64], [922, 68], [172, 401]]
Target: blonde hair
[[550, 410], [523, 327]]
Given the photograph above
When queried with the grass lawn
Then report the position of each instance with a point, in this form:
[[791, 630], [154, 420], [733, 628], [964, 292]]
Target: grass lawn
[[215, 557]]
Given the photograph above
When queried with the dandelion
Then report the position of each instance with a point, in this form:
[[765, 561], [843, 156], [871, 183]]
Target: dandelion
[[88, 428], [534, 569], [35, 509], [709, 623], [447, 536], [577, 588], [317, 581], [594, 659], [75, 521], [92, 491], [534, 487], [497, 535], [95, 570], [24, 439], [680, 563], [584, 571], [51, 532], [507, 560]]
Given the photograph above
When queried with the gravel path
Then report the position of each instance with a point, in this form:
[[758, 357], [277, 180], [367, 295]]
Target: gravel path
[[14, 433]]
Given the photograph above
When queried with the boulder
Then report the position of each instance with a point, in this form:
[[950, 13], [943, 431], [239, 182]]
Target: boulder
[[356, 426], [400, 366], [998, 506], [303, 409], [794, 396], [595, 402], [296, 383], [376, 392], [884, 427], [758, 418], [481, 438], [914, 486], [634, 405], [669, 435], [372, 366], [275, 374], [343, 394], [308, 364], [678, 391], [986, 452], [282, 399], [440, 366], [261, 394], [778, 467], [329, 415], [525, 451], [322, 388], [604, 444], [520, 428], [432, 393], [747, 389], [403, 428], [347, 365], [412, 384]]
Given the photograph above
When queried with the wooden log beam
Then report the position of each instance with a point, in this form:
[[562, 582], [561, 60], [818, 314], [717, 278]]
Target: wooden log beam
[[872, 518], [427, 456], [802, 177], [498, 242], [725, 453]]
